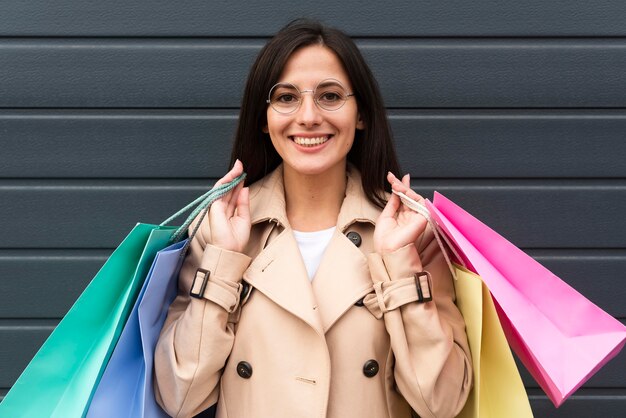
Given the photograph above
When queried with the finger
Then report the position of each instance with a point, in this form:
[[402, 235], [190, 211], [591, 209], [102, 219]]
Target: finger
[[404, 186], [243, 204], [232, 203], [391, 178], [232, 174], [396, 184], [406, 181], [391, 207]]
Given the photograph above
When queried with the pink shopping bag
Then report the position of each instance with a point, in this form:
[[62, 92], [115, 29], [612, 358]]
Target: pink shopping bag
[[559, 335]]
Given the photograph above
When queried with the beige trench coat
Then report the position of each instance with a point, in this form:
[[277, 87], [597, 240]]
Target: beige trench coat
[[286, 347]]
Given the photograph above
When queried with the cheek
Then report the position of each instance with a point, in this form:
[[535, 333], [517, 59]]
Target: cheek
[[275, 124]]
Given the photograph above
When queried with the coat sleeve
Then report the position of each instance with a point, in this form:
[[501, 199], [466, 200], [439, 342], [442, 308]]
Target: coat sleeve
[[197, 338], [432, 368]]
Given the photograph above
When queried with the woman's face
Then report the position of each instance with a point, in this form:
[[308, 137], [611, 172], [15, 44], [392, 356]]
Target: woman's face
[[312, 140]]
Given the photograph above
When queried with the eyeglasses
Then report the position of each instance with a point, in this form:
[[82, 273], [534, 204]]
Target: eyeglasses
[[329, 95]]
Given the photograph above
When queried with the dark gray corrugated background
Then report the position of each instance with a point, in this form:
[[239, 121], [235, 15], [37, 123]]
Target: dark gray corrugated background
[[116, 112]]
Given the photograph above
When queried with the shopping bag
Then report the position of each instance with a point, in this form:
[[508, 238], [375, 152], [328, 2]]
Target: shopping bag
[[560, 336], [498, 390], [152, 312], [59, 380], [125, 389]]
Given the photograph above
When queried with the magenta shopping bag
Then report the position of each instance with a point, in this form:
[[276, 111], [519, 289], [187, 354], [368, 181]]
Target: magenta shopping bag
[[559, 335]]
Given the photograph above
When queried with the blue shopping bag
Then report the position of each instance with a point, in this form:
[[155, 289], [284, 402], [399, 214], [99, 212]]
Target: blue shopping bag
[[153, 308], [125, 389]]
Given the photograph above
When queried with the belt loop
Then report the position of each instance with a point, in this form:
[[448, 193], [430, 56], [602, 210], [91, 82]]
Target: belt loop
[[378, 288]]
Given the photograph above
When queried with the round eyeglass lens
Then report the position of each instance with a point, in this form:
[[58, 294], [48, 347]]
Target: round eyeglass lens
[[285, 98], [329, 95]]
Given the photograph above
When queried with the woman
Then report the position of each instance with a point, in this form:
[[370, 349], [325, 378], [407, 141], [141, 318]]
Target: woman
[[313, 293]]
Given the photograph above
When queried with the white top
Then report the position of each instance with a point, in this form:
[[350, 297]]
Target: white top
[[312, 246]]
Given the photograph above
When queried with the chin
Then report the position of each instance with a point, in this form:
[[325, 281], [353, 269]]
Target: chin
[[310, 168]]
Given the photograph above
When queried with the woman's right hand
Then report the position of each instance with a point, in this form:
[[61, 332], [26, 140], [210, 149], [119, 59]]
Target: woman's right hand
[[229, 216]]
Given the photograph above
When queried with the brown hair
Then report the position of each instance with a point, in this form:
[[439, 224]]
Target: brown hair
[[372, 152]]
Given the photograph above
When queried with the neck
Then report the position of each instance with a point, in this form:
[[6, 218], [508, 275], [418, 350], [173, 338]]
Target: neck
[[313, 201]]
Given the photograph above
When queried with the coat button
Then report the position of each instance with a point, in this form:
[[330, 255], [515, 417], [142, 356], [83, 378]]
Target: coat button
[[244, 369], [245, 290], [370, 368], [355, 238]]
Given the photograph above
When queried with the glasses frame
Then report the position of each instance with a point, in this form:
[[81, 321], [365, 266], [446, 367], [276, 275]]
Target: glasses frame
[[319, 106]]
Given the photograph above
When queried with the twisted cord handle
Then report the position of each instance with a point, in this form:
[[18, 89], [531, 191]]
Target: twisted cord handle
[[201, 204]]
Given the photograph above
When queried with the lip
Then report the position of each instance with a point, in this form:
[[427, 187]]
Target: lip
[[310, 134]]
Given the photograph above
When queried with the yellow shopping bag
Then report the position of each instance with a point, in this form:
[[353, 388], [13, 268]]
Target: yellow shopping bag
[[498, 389]]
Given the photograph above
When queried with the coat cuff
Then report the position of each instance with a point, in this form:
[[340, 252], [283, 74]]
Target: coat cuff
[[402, 263], [398, 280], [218, 278]]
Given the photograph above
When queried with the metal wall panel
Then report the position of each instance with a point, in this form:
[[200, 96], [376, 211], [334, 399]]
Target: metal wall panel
[[98, 214], [209, 73], [30, 277], [358, 18], [196, 143], [585, 404], [23, 341]]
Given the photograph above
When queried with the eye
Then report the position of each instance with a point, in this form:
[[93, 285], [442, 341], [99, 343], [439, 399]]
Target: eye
[[330, 97], [286, 98]]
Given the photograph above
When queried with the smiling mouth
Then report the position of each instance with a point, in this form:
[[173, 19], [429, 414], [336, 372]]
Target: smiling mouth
[[310, 142]]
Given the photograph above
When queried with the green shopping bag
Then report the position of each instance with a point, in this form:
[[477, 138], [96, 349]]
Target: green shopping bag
[[60, 380]]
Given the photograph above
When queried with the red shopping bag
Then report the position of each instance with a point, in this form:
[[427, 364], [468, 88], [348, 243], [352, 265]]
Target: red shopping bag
[[560, 336]]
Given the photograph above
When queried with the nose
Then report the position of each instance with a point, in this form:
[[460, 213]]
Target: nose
[[308, 114]]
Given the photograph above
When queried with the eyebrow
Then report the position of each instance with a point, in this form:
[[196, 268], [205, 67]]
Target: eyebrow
[[330, 83], [323, 83]]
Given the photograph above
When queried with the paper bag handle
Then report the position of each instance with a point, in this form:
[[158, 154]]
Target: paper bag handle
[[439, 235]]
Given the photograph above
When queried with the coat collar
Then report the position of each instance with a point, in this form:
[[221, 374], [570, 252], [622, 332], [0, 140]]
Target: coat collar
[[278, 271], [267, 201]]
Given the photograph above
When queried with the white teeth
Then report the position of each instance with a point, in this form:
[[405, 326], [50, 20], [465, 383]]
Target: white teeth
[[310, 141]]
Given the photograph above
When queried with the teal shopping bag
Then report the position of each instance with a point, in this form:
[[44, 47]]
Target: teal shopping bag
[[61, 378]]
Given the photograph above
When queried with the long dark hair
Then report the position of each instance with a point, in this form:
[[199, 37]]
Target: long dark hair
[[372, 152]]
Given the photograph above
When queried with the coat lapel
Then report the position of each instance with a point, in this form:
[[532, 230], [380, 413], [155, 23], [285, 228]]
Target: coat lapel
[[279, 273], [343, 276], [278, 270], [341, 279]]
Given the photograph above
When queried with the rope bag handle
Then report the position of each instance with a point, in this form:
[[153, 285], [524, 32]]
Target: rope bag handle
[[201, 205]]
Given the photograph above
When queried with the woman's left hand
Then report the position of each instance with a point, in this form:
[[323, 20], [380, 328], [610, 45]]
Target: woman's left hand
[[397, 225]]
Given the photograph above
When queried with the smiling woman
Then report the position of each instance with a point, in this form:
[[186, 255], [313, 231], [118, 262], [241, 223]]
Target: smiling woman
[[269, 320]]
